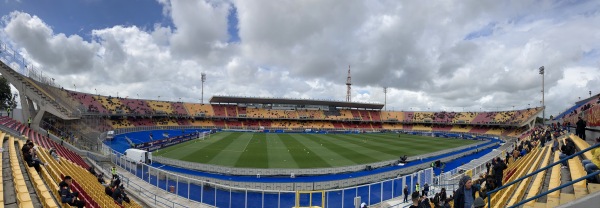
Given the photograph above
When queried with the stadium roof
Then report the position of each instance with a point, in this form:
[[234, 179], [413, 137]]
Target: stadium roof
[[259, 100]]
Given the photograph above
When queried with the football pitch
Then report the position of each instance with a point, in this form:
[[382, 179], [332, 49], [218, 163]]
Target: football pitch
[[270, 150]]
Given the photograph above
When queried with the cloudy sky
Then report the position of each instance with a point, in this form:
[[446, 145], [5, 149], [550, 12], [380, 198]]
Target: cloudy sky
[[439, 55]]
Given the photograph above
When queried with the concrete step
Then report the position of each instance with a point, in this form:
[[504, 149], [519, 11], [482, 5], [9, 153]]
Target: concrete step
[[566, 198], [552, 202], [540, 205], [593, 187]]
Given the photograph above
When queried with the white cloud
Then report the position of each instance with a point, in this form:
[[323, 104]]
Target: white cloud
[[303, 48]]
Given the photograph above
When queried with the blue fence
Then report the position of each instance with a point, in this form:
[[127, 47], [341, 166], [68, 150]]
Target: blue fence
[[226, 196]]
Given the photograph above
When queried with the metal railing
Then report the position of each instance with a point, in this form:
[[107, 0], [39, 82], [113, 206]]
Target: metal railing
[[543, 169], [220, 195]]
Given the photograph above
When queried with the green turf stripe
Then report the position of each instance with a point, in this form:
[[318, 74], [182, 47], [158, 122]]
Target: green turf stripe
[[389, 145], [255, 155], [374, 153], [207, 153], [432, 143], [415, 142], [279, 155], [348, 156], [184, 149], [304, 158], [230, 155]]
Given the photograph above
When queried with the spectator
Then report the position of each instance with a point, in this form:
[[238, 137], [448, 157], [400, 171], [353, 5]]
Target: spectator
[[490, 184], [119, 195], [443, 196], [425, 189], [499, 168], [405, 193], [92, 171], [465, 195], [66, 196], [109, 190], [116, 182], [580, 128], [479, 203], [100, 177], [54, 155], [32, 160], [567, 149], [592, 165]]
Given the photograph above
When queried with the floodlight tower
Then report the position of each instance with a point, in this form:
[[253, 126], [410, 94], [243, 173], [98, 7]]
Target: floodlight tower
[[203, 79], [543, 103], [348, 86], [385, 98]]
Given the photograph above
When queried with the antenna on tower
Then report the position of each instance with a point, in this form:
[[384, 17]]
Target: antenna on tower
[[348, 86]]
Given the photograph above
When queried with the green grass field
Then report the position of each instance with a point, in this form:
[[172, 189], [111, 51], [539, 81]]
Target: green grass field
[[260, 150]]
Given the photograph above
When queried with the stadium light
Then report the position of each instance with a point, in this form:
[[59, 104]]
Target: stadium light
[[203, 79], [385, 98], [543, 102]]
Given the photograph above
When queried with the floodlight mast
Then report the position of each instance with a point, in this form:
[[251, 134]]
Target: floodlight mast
[[385, 89], [543, 102], [203, 79], [348, 86]]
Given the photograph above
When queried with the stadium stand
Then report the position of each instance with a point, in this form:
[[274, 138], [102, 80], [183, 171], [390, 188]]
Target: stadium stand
[[85, 183], [196, 109]]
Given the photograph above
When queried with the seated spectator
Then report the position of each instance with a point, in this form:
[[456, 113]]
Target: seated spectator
[[32, 160], [109, 190], [54, 155], [115, 182], [592, 165], [119, 195], [566, 150], [66, 196], [100, 177]]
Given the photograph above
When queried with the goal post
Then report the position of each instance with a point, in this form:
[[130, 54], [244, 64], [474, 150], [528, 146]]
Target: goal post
[[310, 199]]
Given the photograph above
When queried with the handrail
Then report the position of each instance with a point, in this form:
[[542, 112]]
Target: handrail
[[557, 188], [537, 171]]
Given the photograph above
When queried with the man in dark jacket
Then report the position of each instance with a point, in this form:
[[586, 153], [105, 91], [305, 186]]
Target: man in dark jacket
[[66, 196], [465, 195], [425, 189], [119, 195], [405, 193], [567, 149], [580, 128], [499, 167]]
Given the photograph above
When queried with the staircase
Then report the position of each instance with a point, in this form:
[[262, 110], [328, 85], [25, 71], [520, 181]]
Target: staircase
[[33, 91]]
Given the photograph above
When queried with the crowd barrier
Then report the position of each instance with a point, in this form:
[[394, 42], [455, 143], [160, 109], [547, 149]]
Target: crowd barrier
[[219, 195]]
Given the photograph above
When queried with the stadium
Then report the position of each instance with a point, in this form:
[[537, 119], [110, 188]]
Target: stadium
[[259, 151]]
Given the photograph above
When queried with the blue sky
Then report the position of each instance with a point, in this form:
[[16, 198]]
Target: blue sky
[[81, 16]]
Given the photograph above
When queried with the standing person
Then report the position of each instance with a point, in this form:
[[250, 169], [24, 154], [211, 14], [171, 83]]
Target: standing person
[[29, 122], [499, 167], [417, 188], [405, 193], [415, 200], [580, 128], [465, 195], [443, 196], [425, 189], [113, 171], [66, 196]]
